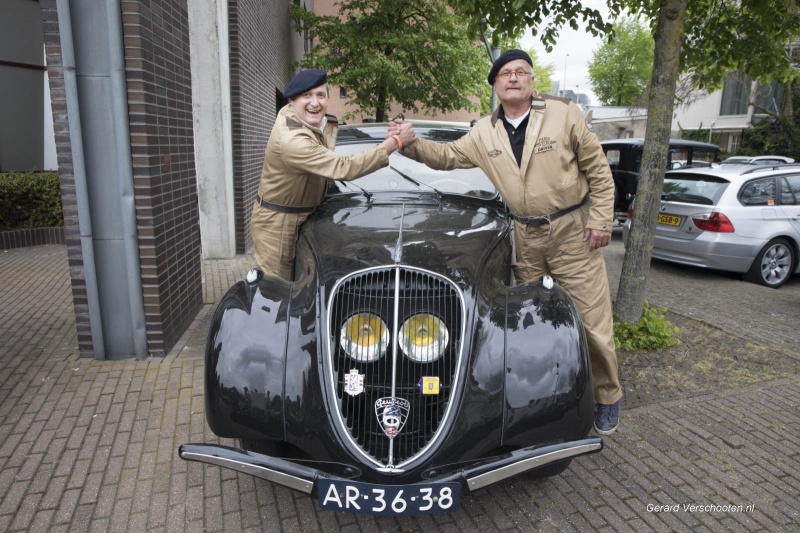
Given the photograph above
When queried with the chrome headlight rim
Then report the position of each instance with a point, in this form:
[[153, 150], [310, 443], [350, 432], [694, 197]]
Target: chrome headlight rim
[[363, 322], [435, 338]]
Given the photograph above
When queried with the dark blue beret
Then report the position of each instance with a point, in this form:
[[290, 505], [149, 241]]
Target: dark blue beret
[[305, 80], [505, 57]]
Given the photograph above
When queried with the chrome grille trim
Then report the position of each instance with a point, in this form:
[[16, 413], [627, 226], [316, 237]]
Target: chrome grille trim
[[393, 291]]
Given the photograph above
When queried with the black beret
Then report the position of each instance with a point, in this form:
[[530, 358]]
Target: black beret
[[505, 57], [305, 80]]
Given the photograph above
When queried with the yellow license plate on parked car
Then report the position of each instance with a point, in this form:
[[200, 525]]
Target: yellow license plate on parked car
[[669, 220]]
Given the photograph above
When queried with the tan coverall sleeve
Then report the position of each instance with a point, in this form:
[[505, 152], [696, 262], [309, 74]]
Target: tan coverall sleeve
[[441, 156], [303, 153], [592, 161]]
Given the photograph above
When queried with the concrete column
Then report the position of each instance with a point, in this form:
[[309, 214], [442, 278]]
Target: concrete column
[[211, 105]]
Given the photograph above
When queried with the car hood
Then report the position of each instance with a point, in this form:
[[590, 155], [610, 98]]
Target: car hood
[[449, 238]]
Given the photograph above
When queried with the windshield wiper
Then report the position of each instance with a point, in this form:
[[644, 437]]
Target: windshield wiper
[[362, 189], [417, 183]]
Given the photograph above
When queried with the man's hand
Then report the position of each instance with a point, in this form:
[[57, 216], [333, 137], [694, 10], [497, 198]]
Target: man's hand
[[596, 238], [400, 133], [394, 127]]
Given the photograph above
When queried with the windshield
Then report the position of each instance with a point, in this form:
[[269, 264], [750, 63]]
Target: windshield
[[403, 172], [693, 189]]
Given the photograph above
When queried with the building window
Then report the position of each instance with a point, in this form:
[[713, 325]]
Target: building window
[[733, 141], [342, 92], [735, 94], [769, 97]]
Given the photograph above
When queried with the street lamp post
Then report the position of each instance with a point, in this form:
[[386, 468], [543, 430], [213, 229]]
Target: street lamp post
[[564, 87]]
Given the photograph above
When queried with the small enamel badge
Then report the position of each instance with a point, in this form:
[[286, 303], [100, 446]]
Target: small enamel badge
[[429, 385], [354, 383]]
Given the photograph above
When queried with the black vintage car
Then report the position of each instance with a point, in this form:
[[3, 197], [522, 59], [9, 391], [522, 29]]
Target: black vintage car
[[625, 159], [402, 367]]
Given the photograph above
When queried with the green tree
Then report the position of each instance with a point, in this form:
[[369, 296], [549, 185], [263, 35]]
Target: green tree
[[510, 18], [543, 73], [385, 52], [621, 67]]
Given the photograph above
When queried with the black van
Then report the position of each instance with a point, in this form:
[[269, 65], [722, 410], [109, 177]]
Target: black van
[[625, 157]]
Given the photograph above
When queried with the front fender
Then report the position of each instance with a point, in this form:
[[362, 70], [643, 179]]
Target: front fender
[[548, 393], [246, 360]]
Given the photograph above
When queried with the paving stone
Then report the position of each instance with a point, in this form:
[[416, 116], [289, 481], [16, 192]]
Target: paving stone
[[92, 445]]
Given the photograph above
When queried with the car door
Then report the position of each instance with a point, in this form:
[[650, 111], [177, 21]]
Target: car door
[[760, 218], [790, 201]]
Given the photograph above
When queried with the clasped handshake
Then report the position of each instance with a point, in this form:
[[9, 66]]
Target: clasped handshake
[[402, 132]]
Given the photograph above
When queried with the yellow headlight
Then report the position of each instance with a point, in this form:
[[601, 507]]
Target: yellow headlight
[[423, 338], [364, 337]]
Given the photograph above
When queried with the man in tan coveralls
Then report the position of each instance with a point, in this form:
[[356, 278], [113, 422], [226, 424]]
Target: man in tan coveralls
[[298, 161], [551, 171]]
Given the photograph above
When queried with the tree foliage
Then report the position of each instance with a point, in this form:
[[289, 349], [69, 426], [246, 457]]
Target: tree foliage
[[723, 36], [543, 17], [385, 52], [620, 68]]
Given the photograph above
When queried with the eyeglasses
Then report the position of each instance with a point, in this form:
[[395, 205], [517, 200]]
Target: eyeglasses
[[521, 74]]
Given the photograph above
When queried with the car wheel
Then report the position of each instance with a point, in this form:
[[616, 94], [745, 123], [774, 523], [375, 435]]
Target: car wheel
[[773, 265], [553, 469]]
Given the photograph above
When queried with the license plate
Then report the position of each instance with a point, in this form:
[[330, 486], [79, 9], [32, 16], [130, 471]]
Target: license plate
[[388, 500], [669, 220]]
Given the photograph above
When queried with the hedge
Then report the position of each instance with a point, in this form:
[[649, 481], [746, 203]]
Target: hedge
[[30, 200]]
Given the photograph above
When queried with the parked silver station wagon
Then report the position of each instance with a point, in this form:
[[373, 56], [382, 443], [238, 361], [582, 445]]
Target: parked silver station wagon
[[736, 218]]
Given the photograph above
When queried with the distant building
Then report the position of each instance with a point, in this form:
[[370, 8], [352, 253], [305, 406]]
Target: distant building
[[617, 122], [581, 99], [730, 111]]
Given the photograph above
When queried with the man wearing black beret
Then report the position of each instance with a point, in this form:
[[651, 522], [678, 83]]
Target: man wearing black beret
[[298, 161], [552, 173]]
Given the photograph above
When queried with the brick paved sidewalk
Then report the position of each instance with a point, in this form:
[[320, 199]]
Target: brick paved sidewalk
[[91, 446]]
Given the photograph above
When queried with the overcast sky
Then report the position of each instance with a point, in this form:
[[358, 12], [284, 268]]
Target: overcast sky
[[575, 48]]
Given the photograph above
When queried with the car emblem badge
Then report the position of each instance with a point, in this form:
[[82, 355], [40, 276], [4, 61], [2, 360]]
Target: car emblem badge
[[392, 414], [354, 383], [663, 207], [429, 385]]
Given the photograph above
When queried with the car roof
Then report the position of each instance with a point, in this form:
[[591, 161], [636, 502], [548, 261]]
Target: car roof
[[673, 143], [737, 173], [757, 158], [426, 129]]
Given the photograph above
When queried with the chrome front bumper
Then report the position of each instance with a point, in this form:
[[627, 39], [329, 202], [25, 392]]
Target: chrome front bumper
[[303, 478]]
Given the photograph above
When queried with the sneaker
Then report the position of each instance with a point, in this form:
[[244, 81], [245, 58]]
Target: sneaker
[[606, 418]]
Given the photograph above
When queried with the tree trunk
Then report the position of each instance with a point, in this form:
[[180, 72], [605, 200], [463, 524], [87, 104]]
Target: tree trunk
[[669, 38], [380, 109]]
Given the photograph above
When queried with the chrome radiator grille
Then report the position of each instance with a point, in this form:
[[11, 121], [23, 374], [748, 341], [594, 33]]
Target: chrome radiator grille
[[391, 405]]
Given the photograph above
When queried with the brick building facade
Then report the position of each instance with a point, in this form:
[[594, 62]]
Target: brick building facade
[[159, 94]]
